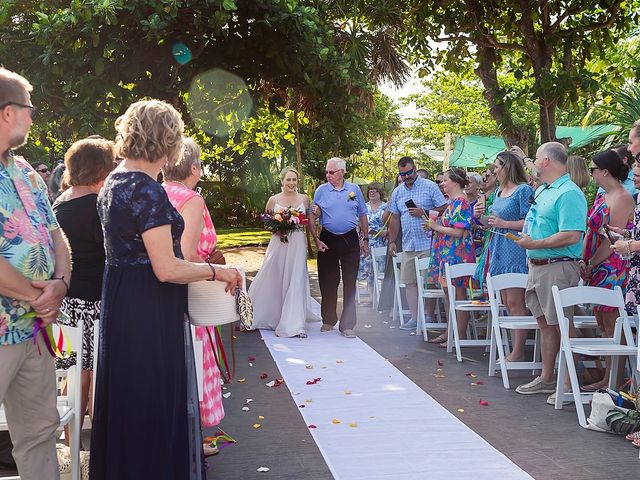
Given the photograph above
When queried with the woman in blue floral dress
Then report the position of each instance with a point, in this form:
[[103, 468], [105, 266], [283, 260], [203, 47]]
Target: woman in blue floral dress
[[453, 243], [376, 206], [510, 206]]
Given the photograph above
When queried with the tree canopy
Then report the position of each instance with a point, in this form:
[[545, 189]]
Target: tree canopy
[[549, 42]]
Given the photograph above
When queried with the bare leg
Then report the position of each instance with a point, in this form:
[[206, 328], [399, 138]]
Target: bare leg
[[606, 322], [462, 316], [430, 307], [514, 301], [411, 291], [549, 348]]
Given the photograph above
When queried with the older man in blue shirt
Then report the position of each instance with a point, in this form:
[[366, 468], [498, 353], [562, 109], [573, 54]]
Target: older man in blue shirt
[[341, 207], [409, 205]]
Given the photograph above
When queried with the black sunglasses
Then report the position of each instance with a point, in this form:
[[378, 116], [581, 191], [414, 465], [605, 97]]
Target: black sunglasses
[[407, 173], [31, 108]]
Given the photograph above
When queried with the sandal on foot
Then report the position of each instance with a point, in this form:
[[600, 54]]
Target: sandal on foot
[[509, 358], [594, 387], [209, 450], [439, 339], [632, 437]]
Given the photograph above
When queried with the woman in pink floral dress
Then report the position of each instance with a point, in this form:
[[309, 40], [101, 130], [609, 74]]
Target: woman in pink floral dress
[[453, 243], [198, 243]]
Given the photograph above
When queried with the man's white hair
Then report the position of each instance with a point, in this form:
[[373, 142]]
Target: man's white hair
[[341, 164]]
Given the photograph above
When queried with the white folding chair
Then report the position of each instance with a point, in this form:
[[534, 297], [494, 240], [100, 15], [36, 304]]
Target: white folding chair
[[500, 323], [593, 347], [453, 339], [70, 403], [398, 310], [424, 293], [378, 276]]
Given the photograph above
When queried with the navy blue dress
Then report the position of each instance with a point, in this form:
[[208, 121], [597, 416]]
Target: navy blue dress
[[141, 427]]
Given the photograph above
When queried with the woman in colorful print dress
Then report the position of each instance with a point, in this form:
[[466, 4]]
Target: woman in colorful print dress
[[453, 243], [198, 243], [602, 267], [376, 207]]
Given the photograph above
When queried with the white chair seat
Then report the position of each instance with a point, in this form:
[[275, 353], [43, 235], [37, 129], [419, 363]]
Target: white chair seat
[[594, 347], [604, 350], [501, 323], [453, 341]]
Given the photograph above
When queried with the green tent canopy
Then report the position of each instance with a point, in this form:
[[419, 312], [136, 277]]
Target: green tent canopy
[[475, 151]]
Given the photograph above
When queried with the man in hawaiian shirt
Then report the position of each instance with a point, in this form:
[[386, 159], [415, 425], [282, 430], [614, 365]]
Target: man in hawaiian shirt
[[35, 269]]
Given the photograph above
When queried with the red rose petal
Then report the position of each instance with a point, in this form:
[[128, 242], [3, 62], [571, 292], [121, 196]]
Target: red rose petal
[[312, 426], [301, 406], [484, 403], [252, 358], [263, 376], [479, 382]]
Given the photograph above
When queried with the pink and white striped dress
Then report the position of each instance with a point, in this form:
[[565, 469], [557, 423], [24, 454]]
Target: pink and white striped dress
[[211, 409]]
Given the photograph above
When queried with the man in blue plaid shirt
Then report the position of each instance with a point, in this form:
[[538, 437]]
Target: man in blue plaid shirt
[[426, 196]]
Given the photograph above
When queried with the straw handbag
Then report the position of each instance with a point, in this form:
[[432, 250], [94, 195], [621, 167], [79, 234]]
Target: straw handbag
[[210, 305]]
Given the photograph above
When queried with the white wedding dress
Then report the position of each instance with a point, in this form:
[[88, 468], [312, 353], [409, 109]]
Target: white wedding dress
[[280, 292]]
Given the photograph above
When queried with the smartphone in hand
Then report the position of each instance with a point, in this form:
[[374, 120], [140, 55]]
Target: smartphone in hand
[[410, 204], [611, 235]]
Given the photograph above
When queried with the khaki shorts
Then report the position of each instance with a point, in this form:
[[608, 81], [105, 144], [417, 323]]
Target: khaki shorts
[[538, 296], [408, 266]]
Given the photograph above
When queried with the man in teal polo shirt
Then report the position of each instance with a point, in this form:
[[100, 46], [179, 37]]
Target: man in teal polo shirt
[[552, 234]]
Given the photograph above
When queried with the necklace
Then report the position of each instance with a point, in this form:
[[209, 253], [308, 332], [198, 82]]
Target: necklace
[[177, 181]]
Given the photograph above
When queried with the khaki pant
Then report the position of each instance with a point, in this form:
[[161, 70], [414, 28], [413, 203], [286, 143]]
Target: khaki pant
[[28, 392]]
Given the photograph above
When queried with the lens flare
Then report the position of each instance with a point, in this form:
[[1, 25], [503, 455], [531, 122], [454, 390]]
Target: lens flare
[[181, 53], [219, 102]]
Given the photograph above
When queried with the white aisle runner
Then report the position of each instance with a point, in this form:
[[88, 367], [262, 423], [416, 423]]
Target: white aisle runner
[[389, 427]]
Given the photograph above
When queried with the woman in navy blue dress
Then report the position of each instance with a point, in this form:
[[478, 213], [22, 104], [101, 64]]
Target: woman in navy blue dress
[[146, 421]]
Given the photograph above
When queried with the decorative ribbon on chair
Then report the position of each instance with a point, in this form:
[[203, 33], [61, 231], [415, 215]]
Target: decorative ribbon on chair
[[54, 347], [227, 374]]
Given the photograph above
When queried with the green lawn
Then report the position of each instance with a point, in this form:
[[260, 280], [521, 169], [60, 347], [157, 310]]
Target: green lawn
[[242, 236]]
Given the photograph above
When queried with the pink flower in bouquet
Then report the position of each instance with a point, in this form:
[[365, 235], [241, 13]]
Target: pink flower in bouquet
[[295, 219]]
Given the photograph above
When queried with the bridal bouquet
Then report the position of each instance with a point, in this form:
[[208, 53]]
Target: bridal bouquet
[[284, 221]]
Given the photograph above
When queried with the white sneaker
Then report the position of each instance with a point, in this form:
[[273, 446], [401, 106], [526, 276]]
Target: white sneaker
[[551, 399]]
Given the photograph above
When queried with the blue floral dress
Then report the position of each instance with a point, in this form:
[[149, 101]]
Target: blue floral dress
[[506, 256], [365, 270], [450, 249]]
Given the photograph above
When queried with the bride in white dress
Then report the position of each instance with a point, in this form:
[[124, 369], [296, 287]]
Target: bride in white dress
[[280, 292]]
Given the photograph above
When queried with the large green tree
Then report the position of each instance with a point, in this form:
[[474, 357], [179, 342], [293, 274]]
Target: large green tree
[[549, 42], [89, 59]]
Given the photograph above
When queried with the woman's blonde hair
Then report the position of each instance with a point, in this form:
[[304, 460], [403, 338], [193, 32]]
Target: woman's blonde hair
[[578, 172], [286, 170], [150, 130], [190, 157]]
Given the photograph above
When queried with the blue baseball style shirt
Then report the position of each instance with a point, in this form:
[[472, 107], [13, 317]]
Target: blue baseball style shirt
[[557, 207], [341, 209], [426, 195]]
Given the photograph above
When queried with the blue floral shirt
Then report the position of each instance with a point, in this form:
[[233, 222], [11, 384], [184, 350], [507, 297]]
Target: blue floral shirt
[[26, 222]]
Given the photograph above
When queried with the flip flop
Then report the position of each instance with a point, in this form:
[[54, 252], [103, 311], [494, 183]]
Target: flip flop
[[592, 388], [439, 339]]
